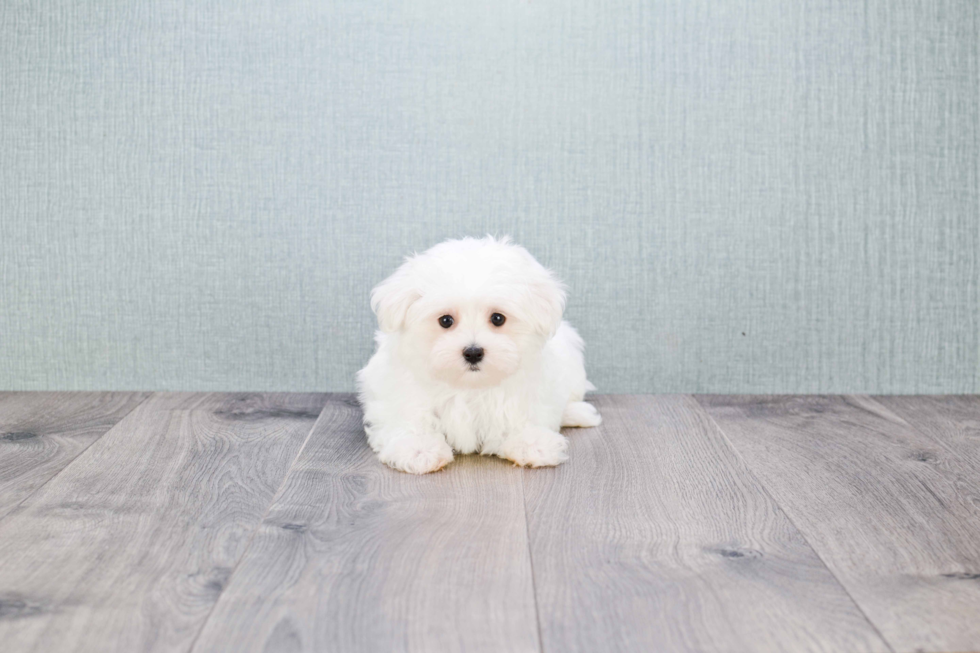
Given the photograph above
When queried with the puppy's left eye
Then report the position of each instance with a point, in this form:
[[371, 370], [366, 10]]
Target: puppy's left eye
[[446, 321], [497, 319]]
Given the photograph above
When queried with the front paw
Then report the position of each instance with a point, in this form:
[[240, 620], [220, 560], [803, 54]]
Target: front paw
[[416, 454], [536, 447]]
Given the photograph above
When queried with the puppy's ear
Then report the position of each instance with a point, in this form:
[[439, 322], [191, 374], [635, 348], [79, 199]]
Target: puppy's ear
[[391, 299], [547, 301]]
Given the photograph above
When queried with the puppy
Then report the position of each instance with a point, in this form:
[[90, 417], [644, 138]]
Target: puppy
[[473, 357]]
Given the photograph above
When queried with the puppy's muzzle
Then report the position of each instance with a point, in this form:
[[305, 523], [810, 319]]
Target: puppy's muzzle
[[473, 354]]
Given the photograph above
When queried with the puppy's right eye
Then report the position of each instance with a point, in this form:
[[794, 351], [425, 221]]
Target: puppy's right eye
[[446, 321]]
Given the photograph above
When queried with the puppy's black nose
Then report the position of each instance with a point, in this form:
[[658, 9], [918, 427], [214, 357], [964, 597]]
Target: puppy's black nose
[[473, 354]]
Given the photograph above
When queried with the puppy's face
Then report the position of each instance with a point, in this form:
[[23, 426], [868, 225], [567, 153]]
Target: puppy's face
[[469, 312], [467, 343]]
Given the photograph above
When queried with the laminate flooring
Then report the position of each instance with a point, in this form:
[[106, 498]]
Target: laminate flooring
[[263, 522]]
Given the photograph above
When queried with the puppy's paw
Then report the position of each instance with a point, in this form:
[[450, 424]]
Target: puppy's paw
[[535, 447], [416, 454], [580, 413]]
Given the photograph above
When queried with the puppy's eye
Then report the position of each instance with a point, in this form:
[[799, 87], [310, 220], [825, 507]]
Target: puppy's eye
[[446, 321], [497, 319]]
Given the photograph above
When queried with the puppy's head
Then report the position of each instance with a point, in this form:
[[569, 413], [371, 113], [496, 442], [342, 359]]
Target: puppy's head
[[469, 312]]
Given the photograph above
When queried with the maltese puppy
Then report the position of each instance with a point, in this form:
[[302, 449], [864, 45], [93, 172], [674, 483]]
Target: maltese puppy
[[472, 357]]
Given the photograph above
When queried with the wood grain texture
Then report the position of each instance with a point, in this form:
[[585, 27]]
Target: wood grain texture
[[654, 536], [894, 515], [952, 421], [41, 432], [129, 547], [354, 556]]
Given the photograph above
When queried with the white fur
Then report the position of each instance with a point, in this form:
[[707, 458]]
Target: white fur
[[422, 401]]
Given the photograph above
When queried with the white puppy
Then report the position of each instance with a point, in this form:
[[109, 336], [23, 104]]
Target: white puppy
[[472, 357]]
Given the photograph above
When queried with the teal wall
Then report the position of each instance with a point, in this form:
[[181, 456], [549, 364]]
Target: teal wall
[[743, 195]]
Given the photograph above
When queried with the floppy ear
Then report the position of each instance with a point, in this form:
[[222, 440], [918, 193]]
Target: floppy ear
[[391, 299], [546, 301]]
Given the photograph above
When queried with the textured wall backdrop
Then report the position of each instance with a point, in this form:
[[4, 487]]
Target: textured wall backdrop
[[743, 195]]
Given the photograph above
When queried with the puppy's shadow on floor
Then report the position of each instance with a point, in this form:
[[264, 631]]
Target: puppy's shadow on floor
[[477, 462], [581, 439]]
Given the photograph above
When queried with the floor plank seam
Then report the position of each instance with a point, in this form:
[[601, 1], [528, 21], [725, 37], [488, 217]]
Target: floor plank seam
[[530, 561], [77, 456], [258, 525], [923, 433], [685, 523], [789, 517]]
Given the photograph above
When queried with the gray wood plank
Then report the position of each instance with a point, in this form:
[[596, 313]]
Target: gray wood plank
[[129, 547], [41, 432], [354, 556], [894, 516], [952, 421], [654, 536]]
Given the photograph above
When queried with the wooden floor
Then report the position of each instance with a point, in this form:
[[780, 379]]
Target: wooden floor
[[262, 522]]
